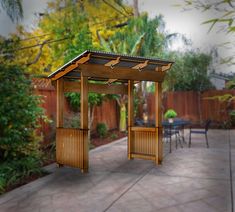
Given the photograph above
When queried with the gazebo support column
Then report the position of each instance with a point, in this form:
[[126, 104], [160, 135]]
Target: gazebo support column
[[84, 120], [130, 116], [59, 115], [60, 103], [158, 122]]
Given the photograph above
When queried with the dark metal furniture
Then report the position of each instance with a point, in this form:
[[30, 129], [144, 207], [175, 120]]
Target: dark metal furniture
[[170, 129], [200, 131]]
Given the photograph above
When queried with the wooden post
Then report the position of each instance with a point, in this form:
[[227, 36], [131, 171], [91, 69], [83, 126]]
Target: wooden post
[[130, 115], [158, 122], [60, 102], [84, 120]]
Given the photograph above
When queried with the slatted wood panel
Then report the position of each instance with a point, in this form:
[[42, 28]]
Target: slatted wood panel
[[144, 143], [70, 147]]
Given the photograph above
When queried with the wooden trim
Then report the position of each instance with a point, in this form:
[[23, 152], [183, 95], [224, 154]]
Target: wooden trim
[[144, 129], [71, 67], [60, 103], [74, 86], [143, 156], [100, 71]]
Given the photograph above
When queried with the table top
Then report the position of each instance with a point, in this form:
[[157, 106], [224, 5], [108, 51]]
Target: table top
[[177, 122]]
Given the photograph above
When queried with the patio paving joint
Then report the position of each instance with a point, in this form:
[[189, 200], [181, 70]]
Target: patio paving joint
[[231, 171], [128, 189]]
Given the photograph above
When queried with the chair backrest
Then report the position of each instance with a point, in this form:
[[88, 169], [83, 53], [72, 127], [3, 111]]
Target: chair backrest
[[208, 122]]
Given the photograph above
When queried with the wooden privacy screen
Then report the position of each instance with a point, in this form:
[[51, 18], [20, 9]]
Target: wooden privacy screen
[[143, 142], [71, 148]]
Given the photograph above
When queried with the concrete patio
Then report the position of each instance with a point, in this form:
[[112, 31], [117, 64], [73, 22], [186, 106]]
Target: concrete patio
[[195, 179]]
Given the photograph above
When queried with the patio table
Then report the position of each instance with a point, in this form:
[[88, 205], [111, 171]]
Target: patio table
[[178, 124]]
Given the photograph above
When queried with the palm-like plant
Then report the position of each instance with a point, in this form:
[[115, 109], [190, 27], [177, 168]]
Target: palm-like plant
[[141, 37], [13, 9]]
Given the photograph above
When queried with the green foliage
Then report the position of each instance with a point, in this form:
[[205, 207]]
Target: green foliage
[[102, 130], [13, 9], [230, 84], [74, 100], [139, 37], [19, 113], [189, 72], [114, 136], [93, 99], [170, 113], [15, 171]]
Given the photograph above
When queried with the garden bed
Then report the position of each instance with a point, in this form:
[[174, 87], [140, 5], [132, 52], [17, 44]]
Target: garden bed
[[112, 135]]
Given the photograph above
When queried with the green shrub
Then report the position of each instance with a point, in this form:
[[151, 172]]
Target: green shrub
[[170, 113], [114, 136], [15, 171], [102, 130], [19, 114]]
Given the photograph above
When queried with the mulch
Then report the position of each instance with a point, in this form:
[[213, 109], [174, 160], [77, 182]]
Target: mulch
[[113, 135]]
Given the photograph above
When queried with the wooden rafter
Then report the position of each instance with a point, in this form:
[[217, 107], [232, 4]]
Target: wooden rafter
[[101, 71], [111, 81], [163, 68], [140, 66], [72, 67], [112, 63]]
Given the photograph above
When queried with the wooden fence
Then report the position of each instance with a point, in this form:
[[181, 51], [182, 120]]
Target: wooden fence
[[188, 104], [107, 113], [194, 105]]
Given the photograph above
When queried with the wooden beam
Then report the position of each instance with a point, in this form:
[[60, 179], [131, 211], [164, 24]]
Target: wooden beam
[[141, 65], [71, 67], [100, 71], [107, 89], [158, 122], [130, 116], [60, 103], [74, 86], [112, 63]]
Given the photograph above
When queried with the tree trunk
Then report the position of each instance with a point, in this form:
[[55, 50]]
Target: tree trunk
[[136, 8]]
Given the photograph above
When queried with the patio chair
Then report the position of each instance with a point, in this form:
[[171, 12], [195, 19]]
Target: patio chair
[[169, 132], [201, 131]]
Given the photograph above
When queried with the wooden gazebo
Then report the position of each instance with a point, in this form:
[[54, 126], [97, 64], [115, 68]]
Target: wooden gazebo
[[118, 74]]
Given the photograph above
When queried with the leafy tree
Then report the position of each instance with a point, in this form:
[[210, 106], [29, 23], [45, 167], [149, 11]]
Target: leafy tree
[[146, 40], [190, 72], [13, 9]]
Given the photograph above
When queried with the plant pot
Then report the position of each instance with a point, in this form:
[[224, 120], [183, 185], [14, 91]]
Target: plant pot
[[171, 120]]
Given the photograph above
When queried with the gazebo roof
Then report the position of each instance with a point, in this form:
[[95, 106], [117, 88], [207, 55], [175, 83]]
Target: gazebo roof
[[99, 65]]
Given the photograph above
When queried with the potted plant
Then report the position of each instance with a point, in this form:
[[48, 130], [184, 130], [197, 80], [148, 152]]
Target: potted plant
[[170, 115]]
